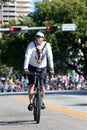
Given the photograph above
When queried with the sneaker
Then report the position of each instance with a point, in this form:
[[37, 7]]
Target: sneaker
[[30, 107], [43, 105]]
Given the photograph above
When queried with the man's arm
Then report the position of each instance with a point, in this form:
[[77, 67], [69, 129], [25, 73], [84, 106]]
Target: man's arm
[[28, 53], [50, 58]]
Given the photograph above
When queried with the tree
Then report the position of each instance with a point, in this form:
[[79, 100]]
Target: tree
[[69, 52]]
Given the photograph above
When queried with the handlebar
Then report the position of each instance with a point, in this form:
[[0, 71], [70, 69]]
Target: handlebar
[[51, 75]]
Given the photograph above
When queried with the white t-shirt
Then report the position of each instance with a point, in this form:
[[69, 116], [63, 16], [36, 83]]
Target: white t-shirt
[[31, 54]]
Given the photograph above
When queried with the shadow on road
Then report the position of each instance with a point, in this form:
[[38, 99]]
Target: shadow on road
[[80, 104], [16, 122]]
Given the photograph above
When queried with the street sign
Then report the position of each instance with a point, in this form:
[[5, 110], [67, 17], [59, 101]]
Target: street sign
[[68, 27]]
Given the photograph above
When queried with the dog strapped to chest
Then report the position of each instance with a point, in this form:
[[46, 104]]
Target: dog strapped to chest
[[39, 52]]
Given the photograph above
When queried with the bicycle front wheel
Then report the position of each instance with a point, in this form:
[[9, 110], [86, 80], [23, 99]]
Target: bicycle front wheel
[[35, 109], [38, 106]]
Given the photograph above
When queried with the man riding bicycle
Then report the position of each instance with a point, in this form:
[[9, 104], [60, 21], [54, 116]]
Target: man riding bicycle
[[38, 54]]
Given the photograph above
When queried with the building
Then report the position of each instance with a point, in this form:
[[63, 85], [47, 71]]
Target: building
[[13, 9]]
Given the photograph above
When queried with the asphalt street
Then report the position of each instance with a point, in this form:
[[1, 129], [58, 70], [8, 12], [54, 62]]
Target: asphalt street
[[63, 112]]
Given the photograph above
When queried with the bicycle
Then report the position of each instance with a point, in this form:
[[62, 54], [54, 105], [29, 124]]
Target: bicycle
[[37, 97], [37, 93]]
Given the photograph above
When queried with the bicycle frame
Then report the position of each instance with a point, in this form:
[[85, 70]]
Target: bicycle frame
[[37, 98]]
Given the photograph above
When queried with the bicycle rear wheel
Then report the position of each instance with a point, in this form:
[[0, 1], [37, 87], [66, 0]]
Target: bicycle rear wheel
[[38, 107]]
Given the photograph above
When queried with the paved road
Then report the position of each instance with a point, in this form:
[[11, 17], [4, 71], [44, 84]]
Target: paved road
[[63, 112]]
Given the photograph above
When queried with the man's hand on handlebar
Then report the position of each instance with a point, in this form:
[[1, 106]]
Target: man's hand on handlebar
[[26, 72], [51, 70], [51, 73]]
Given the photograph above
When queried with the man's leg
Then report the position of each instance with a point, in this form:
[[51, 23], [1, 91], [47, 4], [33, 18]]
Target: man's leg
[[31, 92], [43, 94]]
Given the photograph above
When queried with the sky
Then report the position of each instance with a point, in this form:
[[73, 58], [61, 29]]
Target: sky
[[34, 2]]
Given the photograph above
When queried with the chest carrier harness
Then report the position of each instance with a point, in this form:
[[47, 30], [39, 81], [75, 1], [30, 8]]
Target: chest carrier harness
[[39, 53]]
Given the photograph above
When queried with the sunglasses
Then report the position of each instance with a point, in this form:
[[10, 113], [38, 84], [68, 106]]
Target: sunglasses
[[38, 36]]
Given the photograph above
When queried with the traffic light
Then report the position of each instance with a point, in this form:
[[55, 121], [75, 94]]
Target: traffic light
[[49, 27], [15, 29]]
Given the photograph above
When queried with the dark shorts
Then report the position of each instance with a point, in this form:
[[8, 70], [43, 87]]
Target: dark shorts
[[38, 70]]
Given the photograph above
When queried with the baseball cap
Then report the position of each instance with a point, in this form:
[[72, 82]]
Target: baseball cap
[[39, 34]]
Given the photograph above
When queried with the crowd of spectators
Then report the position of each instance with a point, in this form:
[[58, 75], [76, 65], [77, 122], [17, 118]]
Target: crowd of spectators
[[67, 82], [60, 82], [19, 83]]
